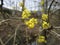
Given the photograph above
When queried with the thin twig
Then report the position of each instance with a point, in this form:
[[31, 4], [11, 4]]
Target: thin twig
[[50, 6], [4, 21], [9, 39], [55, 34], [15, 34], [56, 27], [1, 42], [49, 9]]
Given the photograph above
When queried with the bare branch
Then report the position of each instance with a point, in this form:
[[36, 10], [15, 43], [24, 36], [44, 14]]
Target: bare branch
[[55, 34], [9, 39], [15, 34], [1, 42], [57, 27], [50, 6], [4, 21]]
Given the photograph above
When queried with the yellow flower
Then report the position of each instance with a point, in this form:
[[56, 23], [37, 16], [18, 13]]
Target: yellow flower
[[21, 4], [31, 23], [27, 11], [41, 39], [42, 2], [26, 14], [33, 20], [44, 17], [45, 25], [26, 22]]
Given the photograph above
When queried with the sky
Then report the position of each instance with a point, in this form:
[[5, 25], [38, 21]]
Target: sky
[[28, 4]]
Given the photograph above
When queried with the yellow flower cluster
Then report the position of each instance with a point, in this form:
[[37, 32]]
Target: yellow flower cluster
[[42, 2], [41, 39], [44, 17], [26, 14], [45, 25], [31, 23], [21, 4]]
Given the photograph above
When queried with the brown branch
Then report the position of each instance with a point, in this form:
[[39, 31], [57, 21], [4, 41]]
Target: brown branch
[[23, 5], [50, 8], [15, 34], [56, 27], [4, 21], [1, 42], [9, 39], [56, 35]]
